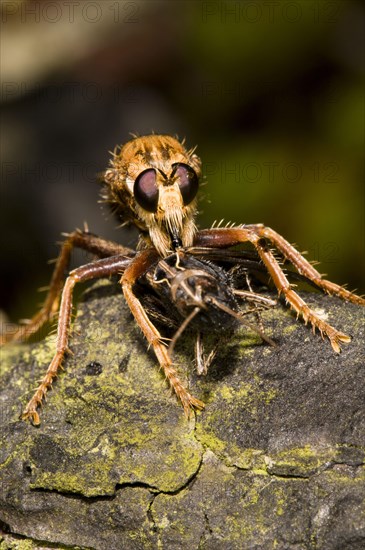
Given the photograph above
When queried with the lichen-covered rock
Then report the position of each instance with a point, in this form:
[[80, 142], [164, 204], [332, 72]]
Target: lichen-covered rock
[[276, 460]]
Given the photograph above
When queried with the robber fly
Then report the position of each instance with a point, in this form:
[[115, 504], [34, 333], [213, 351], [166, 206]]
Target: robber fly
[[152, 183]]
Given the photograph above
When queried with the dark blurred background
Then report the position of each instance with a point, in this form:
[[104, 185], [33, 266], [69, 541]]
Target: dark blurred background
[[271, 92]]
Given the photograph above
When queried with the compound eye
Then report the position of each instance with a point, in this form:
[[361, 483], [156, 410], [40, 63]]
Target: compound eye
[[188, 181], [146, 191]]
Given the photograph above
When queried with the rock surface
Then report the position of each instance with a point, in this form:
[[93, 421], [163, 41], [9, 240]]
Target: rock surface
[[276, 460]]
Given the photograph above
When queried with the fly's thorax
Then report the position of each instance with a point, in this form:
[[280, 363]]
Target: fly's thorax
[[152, 183], [188, 283]]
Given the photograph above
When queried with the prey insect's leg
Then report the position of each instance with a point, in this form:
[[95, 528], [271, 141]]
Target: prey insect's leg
[[203, 361], [139, 266], [259, 321], [77, 239], [256, 299], [94, 270], [226, 237], [181, 329], [257, 302], [199, 355]]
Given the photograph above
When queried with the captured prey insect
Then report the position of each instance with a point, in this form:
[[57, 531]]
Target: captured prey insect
[[152, 182], [194, 293]]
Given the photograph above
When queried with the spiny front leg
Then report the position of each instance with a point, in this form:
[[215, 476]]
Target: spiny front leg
[[296, 302], [97, 269], [139, 266], [226, 237], [304, 267], [78, 239]]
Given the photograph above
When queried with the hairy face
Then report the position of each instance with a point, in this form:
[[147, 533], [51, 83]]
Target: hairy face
[[153, 182]]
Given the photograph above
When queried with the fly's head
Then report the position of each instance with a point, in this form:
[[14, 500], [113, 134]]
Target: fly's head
[[152, 183]]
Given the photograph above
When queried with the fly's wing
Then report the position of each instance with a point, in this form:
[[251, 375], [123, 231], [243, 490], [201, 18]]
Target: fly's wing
[[157, 308], [240, 262]]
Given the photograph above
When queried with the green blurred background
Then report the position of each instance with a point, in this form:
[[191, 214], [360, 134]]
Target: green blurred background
[[271, 92]]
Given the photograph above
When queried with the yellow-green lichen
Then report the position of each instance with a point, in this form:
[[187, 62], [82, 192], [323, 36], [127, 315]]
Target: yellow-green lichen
[[62, 482], [13, 354], [299, 461], [163, 453], [248, 397], [340, 475], [43, 354], [11, 544]]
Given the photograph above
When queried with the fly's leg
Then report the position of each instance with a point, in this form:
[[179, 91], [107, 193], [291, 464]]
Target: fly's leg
[[297, 303], [203, 361], [256, 311], [304, 267], [77, 239], [226, 237], [139, 266], [94, 270], [257, 234]]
